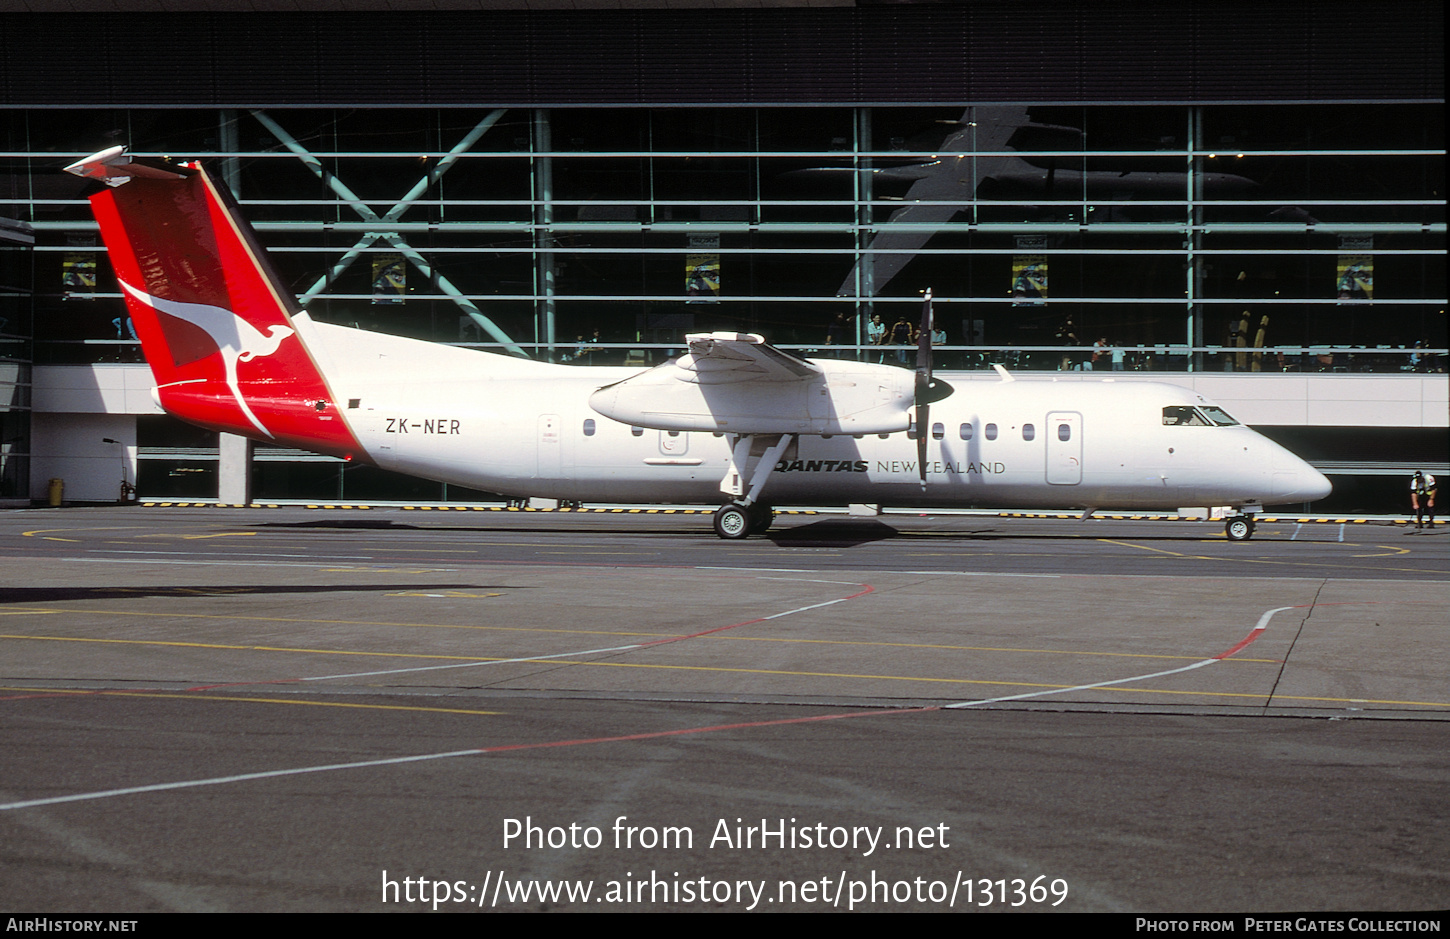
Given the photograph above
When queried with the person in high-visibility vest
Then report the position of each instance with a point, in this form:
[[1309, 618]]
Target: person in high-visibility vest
[[1422, 498]]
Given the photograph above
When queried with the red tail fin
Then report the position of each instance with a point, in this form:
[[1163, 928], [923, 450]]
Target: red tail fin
[[214, 323]]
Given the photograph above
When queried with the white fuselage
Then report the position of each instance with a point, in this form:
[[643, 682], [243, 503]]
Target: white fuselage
[[524, 428]]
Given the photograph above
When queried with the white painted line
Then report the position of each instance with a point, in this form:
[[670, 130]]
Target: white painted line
[[384, 566], [1100, 684], [579, 652], [222, 780], [751, 570], [241, 554], [813, 606], [438, 668], [979, 574]]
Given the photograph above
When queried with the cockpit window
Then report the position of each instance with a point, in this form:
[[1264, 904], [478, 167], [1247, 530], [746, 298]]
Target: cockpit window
[[1218, 415], [1179, 415]]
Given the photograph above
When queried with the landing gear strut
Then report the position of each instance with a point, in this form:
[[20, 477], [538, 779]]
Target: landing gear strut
[[1239, 528], [739, 519]]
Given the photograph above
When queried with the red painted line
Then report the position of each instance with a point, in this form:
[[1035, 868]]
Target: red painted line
[[653, 735], [1243, 643], [1263, 624], [245, 684]]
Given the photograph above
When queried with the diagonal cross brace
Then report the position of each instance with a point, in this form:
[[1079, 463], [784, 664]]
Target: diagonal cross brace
[[393, 238]]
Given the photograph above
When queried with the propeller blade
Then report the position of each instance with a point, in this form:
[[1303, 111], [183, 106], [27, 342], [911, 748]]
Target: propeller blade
[[923, 383], [923, 427], [923, 343]]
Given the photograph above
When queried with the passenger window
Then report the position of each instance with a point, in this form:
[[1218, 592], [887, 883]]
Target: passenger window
[[991, 431], [637, 431], [674, 433], [938, 431], [1064, 431], [589, 427], [911, 430], [1028, 431], [966, 431]]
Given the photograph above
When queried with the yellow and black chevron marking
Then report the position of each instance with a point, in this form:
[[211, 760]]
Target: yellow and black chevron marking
[[447, 508], [1301, 519], [1323, 520]]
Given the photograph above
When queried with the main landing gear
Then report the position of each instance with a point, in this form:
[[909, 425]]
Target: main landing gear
[[745, 517], [1239, 528], [735, 521]]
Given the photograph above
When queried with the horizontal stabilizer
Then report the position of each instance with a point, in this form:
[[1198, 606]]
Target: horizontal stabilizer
[[114, 166]]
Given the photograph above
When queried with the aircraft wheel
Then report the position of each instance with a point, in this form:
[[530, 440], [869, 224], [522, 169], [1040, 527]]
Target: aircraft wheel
[[732, 521], [1239, 528], [761, 517]]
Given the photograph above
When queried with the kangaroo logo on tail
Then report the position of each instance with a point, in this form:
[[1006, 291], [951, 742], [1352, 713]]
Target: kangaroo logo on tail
[[198, 285], [235, 338]]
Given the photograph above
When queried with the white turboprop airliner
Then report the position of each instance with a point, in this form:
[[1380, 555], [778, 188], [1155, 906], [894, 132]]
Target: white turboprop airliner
[[734, 420]]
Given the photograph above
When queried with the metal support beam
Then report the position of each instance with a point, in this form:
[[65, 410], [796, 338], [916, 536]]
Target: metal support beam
[[1193, 266], [544, 268], [456, 295], [228, 142], [865, 184]]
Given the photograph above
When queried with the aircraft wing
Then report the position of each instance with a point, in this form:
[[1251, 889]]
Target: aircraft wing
[[737, 383]]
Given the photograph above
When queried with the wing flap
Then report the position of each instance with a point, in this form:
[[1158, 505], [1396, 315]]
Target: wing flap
[[719, 358]]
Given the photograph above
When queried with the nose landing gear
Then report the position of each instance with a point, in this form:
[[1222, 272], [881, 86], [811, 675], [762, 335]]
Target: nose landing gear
[[1239, 528]]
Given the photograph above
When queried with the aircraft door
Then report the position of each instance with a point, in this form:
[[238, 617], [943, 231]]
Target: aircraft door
[[549, 446], [674, 442], [1064, 448]]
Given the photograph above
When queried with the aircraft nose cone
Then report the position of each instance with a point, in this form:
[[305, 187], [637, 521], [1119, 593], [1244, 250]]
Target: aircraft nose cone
[[1302, 484], [1320, 487]]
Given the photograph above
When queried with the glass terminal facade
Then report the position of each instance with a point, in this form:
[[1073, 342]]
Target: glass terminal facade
[[1238, 237]]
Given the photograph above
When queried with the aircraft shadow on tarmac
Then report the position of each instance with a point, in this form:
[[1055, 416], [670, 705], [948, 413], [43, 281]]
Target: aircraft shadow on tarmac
[[833, 532], [191, 592]]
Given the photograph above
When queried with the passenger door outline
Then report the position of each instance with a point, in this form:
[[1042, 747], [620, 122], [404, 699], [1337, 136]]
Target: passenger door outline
[[1064, 457]]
